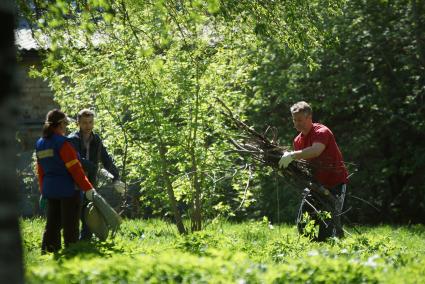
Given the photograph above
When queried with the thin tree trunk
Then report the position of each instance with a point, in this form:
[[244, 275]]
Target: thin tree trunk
[[197, 216], [11, 267], [197, 210], [171, 196]]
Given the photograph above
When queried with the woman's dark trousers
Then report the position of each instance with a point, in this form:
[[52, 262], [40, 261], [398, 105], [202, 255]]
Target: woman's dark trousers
[[63, 213]]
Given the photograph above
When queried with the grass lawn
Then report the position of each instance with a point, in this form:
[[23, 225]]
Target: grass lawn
[[151, 251]]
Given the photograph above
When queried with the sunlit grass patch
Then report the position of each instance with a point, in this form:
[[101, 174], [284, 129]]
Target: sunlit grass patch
[[250, 252]]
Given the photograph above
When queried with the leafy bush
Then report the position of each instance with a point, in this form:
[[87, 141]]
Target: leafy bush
[[197, 243]]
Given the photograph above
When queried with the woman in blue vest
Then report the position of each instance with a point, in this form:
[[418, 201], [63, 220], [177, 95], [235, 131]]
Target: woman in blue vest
[[59, 171]]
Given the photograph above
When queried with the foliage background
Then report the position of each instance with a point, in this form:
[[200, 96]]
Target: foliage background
[[152, 70]]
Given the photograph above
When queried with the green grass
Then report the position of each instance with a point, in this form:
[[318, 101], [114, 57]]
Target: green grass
[[151, 251]]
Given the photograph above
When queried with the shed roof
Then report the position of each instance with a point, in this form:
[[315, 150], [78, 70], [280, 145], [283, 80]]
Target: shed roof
[[24, 40]]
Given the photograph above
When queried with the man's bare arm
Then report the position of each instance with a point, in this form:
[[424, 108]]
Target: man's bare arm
[[310, 152]]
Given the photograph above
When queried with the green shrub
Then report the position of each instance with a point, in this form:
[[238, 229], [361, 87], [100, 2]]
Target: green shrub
[[198, 242], [170, 267]]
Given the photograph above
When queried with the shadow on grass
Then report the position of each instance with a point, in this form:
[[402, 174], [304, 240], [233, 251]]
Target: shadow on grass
[[418, 229], [89, 249]]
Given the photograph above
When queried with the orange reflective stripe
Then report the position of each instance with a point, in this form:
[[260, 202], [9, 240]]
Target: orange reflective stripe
[[71, 163]]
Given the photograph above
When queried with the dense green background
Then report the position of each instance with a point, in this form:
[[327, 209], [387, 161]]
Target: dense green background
[[369, 89], [153, 70]]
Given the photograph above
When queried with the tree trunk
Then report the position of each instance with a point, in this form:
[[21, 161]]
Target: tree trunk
[[197, 216], [11, 267], [169, 187], [197, 210]]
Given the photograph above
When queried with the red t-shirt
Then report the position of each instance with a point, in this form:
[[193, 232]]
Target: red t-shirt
[[328, 167]]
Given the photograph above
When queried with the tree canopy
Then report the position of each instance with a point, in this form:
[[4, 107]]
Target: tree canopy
[[152, 70]]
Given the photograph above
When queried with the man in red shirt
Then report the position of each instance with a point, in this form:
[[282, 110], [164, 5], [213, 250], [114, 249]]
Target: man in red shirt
[[316, 144]]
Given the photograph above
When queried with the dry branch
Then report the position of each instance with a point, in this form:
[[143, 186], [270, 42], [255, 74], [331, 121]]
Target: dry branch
[[253, 145]]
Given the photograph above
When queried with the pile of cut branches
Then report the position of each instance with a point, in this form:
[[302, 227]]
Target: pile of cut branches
[[255, 146]]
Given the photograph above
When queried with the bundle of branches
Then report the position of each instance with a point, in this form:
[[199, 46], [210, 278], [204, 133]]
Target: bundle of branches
[[267, 152]]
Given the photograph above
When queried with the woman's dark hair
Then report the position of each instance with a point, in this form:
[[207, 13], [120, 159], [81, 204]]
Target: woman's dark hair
[[53, 120]]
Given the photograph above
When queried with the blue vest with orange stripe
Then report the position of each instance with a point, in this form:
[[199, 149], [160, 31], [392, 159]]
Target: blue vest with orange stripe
[[57, 181]]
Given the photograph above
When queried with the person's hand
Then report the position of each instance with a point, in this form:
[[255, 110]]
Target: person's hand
[[119, 186], [286, 159], [90, 193], [106, 174], [42, 203]]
